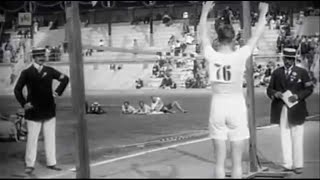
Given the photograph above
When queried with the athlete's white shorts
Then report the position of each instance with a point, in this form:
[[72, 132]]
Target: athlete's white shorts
[[228, 118]]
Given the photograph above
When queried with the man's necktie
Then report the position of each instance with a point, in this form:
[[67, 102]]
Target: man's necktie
[[39, 69], [287, 74]]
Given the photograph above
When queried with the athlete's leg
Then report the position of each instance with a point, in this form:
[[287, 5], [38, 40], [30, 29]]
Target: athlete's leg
[[220, 153], [237, 148], [164, 109], [177, 105]]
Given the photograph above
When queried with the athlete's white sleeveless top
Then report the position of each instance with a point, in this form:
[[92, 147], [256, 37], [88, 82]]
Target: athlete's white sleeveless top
[[226, 71]]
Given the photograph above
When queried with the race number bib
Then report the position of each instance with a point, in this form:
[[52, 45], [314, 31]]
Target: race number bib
[[221, 73]]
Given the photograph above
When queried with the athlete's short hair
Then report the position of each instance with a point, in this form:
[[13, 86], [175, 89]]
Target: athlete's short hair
[[126, 102], [225, 33], [141, 102]]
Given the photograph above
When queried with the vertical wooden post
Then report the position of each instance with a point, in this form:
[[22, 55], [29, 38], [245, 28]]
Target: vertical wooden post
[[250, 89], [77, 88], [110, 28], [195, 19], [291, 17], [151, 26], [31, 27]]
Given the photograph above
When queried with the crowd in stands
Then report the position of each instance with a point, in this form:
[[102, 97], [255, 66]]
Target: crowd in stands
[[9, 51], [200, 73], [306, 45]]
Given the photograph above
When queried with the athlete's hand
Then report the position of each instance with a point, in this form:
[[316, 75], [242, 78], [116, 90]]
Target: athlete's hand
[[28, 106], [293, 98], [263, 8], [55, 94], [278, 95], [207, 6]]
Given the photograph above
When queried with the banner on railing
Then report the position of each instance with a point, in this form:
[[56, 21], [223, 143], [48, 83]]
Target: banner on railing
[[25, 19]]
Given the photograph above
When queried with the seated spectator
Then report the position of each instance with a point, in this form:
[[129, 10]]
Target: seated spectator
[[95, 108], [126, 108], [86, 23], [304, 48], [1, 54], [139, 84], [189, 39], [179, 62], [185, 28], [161, 73], [227, 15], [177, 49], [65, 47], [20, 34], [280, 42], [146, 19], [190, 83], [51, 26], [101, 44], [267, 76], [198, 48], [272, 24], [112, 67], [120, 66], [135, 44], [167, 82], [166, 19], [157, 105], [172, 40], [289, 42], [143, 108], [297, 42], [286, 28], [35, 26], [8, 52], [183, 47], [162, 61], [155, 70], [89, 52], [47, 53]]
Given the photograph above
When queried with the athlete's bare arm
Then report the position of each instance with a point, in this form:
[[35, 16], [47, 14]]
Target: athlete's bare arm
[[252, 42], [204, 38]]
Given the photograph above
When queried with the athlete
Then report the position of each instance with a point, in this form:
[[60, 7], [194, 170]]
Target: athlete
[[228, 115]]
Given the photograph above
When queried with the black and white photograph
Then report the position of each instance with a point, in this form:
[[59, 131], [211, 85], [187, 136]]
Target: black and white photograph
[[159, 89]]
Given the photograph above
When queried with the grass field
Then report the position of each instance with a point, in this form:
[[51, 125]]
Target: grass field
[[114, 129]]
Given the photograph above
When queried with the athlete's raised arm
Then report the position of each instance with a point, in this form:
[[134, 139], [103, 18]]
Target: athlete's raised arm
[[204, 38], [252, 42]]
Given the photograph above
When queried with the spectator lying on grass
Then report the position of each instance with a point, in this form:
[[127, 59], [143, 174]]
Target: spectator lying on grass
[[157, 105], [95, 108], [143, 108], [127, 108]]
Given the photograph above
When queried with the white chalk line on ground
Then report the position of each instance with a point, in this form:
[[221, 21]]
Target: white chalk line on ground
[[133, 155], [154, 150]]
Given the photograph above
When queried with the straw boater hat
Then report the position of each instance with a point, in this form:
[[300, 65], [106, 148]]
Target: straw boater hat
[[38, 52], [289, 53]]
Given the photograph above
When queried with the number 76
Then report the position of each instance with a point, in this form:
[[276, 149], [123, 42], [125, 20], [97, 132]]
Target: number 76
[[223, 72]]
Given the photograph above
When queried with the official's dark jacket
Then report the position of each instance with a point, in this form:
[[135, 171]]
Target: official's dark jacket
[[299, 83], [40, 94]]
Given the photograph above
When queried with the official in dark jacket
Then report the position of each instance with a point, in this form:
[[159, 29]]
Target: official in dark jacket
[[291, 120], [40, 107]]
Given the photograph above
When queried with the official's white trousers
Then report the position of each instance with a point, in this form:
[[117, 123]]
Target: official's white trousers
[[291, 142], [49, 133]]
